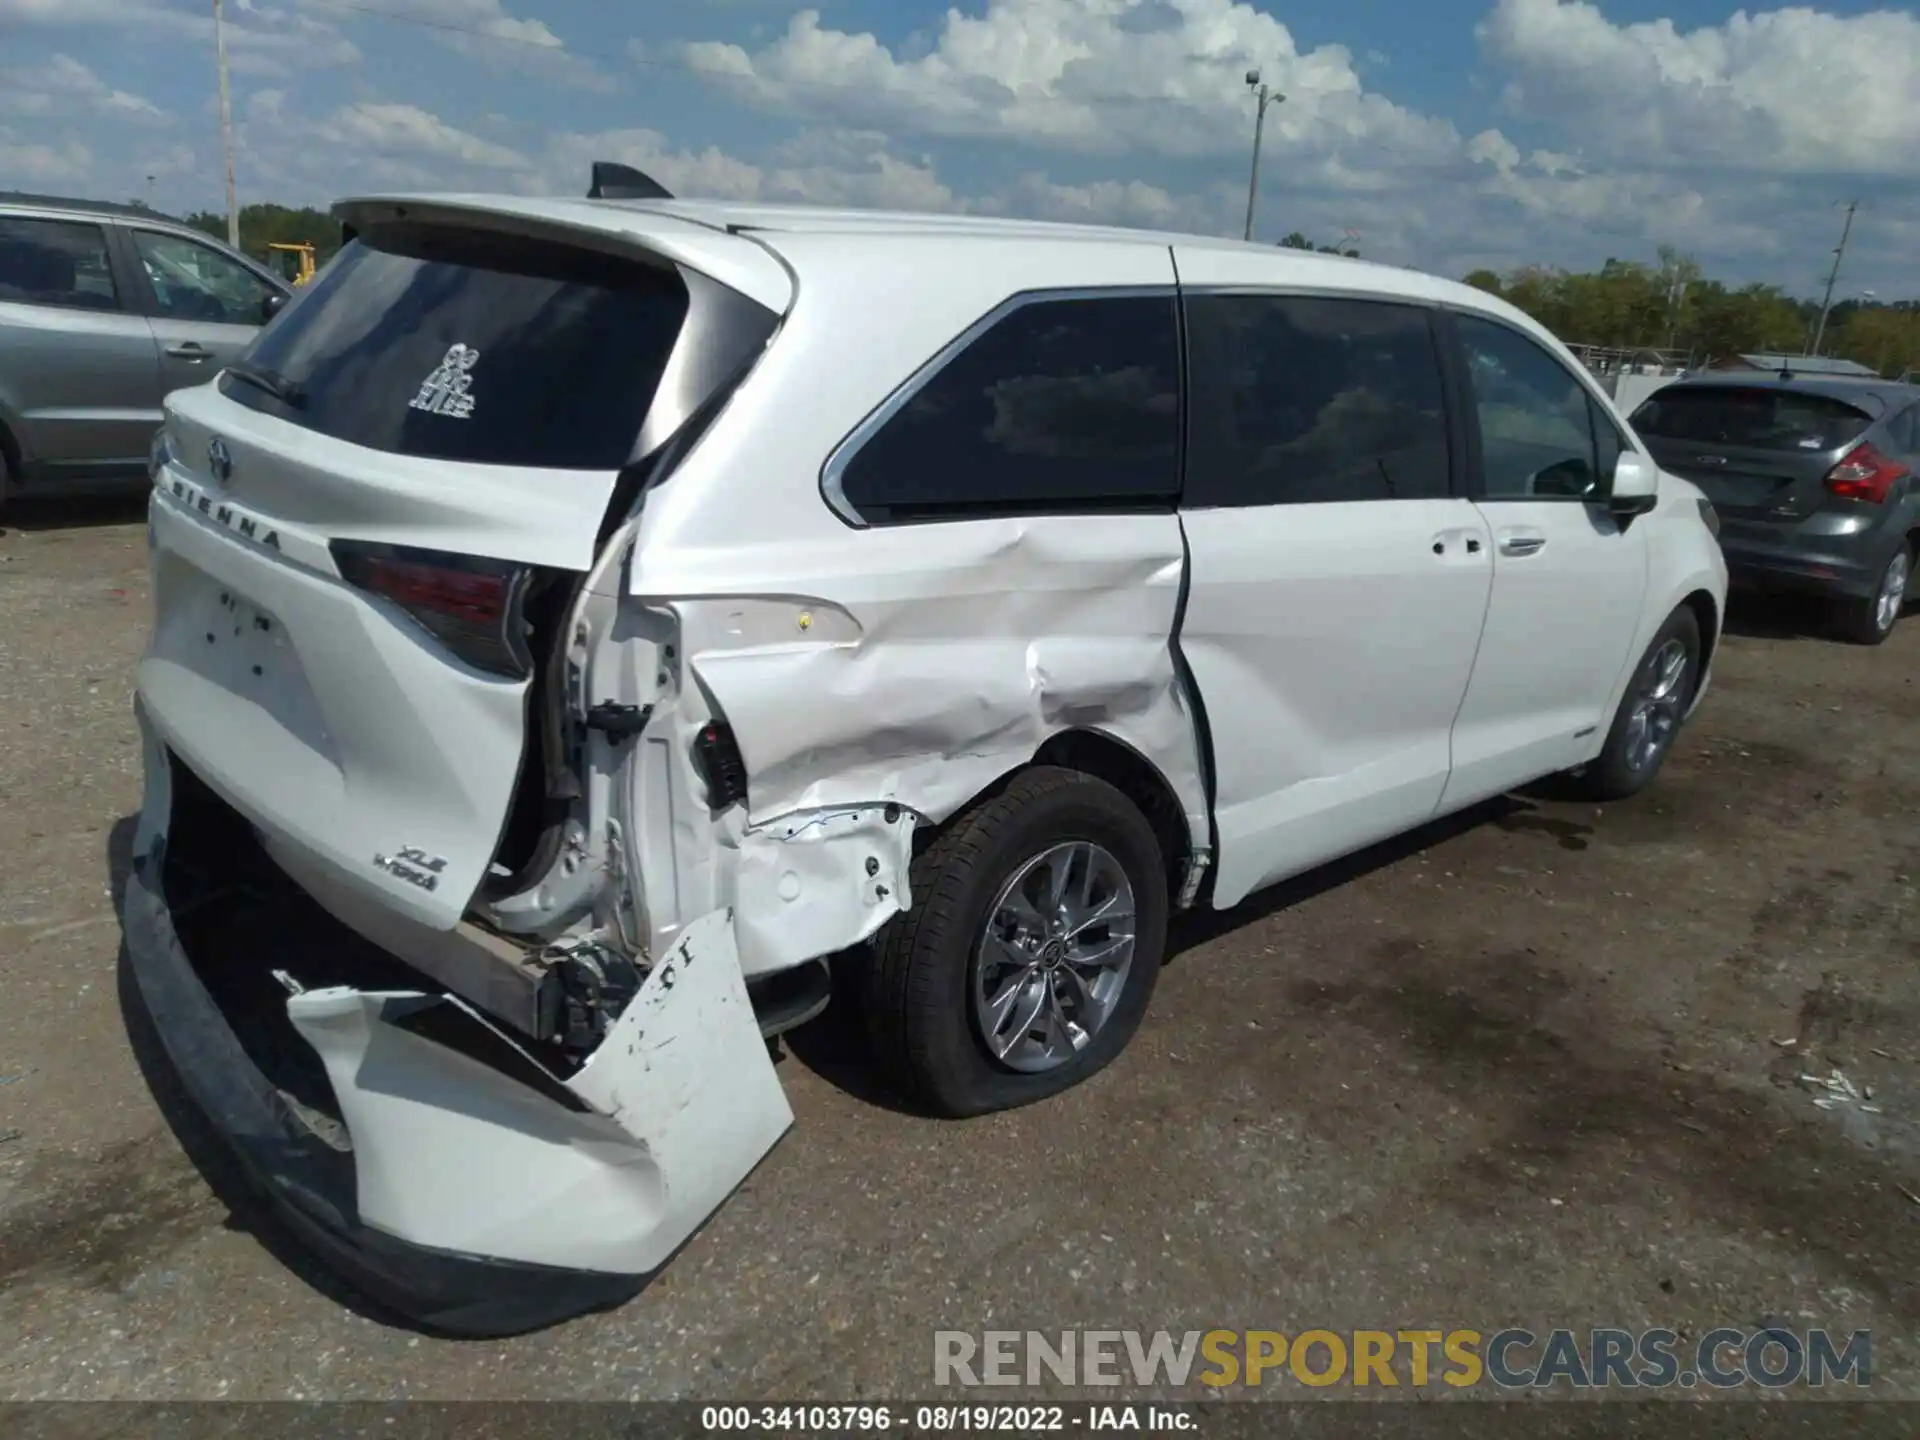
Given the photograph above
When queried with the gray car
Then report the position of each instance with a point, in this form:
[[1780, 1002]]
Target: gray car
[[1813, 479], [104, 309]]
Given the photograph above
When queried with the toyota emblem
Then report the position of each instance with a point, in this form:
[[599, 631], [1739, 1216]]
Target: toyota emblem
[[219, 460]]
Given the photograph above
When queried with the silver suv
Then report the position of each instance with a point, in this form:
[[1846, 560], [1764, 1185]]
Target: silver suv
[[104, 309]]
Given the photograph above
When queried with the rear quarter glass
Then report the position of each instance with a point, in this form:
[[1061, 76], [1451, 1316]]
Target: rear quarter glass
[[453, 345]]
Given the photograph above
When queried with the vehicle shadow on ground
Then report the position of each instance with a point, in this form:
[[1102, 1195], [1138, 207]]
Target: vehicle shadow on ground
[[1758, 615], [247, 1209], [835, 1047], [37, 514], [1200, 927]]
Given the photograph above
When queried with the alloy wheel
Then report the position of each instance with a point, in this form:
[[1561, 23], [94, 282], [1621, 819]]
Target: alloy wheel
[[1662, 701], [1053, 959]]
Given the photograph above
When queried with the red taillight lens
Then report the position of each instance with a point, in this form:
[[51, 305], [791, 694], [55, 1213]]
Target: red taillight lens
[[1865, 474], [470, 605]]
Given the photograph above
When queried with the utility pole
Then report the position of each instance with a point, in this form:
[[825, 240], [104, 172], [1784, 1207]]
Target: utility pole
[[1263, 98], [226, 124], [1839, 251], [1676, 296]]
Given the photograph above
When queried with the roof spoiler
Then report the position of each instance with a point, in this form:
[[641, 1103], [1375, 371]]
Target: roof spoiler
[[622, 182]]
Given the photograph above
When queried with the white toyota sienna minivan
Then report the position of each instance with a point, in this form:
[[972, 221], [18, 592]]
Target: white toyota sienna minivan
[[577, 621]]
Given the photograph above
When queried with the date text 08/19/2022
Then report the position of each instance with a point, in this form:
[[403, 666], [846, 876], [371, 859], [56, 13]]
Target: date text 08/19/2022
[[942, 1419]]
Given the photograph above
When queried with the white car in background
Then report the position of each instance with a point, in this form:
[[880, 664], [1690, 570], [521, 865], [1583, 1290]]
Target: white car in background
[[579, 620]]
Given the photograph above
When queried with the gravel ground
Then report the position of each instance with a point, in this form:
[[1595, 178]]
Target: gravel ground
[[1522, 1068]]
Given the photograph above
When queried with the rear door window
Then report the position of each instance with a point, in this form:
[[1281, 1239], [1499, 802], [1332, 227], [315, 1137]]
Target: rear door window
[[1059, 404], [55, 262], [1750, 418], [455, 345], [1301, 400]]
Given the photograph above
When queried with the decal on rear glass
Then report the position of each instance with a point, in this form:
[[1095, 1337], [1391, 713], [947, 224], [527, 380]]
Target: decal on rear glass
[[447, 390]]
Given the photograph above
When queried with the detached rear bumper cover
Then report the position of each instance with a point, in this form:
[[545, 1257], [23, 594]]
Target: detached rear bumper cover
[[481, 1194]]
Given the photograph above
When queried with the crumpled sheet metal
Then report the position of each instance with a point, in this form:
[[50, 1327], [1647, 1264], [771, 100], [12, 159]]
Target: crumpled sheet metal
[[814, 883], [923, 684]]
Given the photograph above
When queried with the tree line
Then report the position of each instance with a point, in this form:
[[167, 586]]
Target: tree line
[[264, 225], [1672, 306], [1669, 305]]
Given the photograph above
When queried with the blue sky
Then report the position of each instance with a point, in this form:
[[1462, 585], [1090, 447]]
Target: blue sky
[[1447, 135]]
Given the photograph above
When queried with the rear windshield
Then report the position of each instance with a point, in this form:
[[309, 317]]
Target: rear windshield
[[1756, 418], [452, 345]]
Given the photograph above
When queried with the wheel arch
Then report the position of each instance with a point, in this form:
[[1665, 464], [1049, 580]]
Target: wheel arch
[[1707, 612], [1096, 753]]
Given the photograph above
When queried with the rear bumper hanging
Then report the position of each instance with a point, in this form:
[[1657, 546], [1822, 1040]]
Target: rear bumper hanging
[[478, 1193]]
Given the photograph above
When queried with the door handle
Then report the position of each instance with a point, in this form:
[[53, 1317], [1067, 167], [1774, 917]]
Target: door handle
[[190, 350], [1521, 544]]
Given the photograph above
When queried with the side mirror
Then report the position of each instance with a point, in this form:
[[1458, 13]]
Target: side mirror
[[1636, 485], [275, 302]]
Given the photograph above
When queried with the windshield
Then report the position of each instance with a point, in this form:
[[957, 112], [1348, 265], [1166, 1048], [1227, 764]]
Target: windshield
[[1758, 419], [456, 345]]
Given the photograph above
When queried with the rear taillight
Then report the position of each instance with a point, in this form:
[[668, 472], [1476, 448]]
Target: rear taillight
[[469, 604], [1865, 474]]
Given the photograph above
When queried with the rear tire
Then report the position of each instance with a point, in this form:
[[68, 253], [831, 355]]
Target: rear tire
[[1871, 621], [936, 971], [1650, 714]]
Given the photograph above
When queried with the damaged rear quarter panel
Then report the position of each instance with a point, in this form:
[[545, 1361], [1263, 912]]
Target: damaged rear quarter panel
[[918, 665], [908, 665]]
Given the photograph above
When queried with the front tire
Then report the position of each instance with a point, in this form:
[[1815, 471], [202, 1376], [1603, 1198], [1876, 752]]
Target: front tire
[[1026, 963], [1650, 713], [1871, 621]]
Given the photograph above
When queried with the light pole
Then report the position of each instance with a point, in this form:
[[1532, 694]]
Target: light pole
[[1262, 98], [226, 124], [1839, 252]]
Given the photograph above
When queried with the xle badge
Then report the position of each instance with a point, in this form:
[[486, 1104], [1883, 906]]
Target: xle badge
[[416, 867]]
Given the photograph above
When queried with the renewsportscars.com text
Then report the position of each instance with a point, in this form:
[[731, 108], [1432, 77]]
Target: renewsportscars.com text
[[1771, 1358]]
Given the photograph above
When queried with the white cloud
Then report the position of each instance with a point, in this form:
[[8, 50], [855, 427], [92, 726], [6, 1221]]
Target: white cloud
[[276, 40], [60, 85], [1154, 76], [388, 128], [847, 168], [28, 161], [487, 32], [709, 173], [1731, 140], [73, 12], [1102, 202], [1784, 90]]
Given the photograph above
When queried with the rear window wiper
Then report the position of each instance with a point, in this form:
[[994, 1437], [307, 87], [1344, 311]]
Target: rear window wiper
[[287, 392]]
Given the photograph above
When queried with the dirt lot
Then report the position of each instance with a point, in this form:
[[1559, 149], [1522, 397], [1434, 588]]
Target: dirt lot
[[1522, 1069]]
